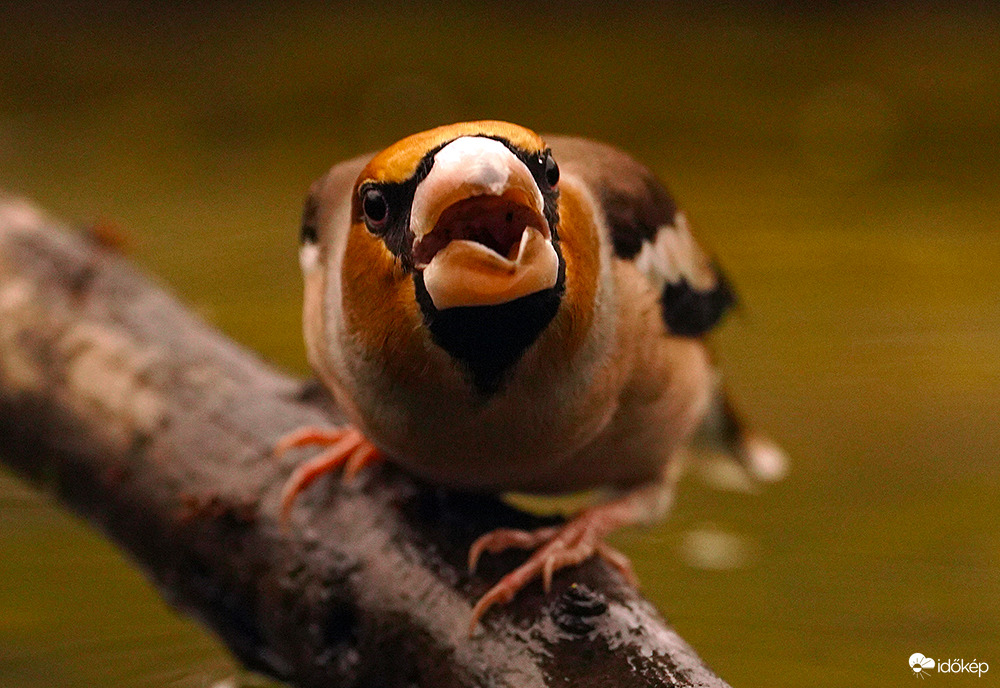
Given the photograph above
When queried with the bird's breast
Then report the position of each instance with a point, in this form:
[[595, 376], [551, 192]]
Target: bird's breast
[[548, 427]]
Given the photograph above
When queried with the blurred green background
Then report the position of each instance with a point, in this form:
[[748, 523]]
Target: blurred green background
[[842, 162]]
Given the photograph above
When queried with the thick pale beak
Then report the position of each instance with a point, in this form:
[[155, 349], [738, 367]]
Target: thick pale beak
[[481, 237]]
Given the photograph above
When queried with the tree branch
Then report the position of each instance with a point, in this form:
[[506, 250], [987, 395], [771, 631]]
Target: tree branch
[[159, 430]]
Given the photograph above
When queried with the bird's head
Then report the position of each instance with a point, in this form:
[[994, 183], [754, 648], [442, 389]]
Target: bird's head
[[456, 232], [470, 208]]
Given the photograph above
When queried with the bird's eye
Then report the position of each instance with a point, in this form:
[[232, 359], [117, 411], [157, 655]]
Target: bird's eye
[[375, 207], [551, 170]]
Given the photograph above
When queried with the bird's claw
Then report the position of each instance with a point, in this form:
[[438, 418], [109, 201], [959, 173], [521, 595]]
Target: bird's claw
[[556, 547], [347, 448], [502, 539], [306, 436]]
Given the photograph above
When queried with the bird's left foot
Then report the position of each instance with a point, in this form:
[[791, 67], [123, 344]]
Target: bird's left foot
[[556, 547], [346, 448]]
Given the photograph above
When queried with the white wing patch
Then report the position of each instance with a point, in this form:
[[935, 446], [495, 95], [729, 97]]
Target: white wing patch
[[675, 256]]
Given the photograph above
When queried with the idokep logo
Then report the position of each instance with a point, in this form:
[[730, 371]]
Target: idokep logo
[[923, 666], [920, 664]]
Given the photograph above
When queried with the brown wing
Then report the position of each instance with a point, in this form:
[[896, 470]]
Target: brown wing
[[647, 228]]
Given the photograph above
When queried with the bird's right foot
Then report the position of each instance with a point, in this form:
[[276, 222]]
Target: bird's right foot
[[347, 449]]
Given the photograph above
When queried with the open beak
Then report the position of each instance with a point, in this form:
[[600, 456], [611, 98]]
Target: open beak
[[480, 234]]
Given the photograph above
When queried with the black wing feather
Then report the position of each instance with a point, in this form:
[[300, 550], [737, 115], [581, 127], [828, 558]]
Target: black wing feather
[[646, 228]]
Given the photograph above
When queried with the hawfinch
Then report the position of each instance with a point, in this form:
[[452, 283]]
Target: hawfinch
[[497, 312]]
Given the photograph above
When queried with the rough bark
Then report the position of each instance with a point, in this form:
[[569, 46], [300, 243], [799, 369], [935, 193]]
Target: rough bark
[[158, 430]]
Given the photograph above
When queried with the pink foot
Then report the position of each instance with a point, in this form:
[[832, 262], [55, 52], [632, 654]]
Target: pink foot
[[348, 448], [556, 547]]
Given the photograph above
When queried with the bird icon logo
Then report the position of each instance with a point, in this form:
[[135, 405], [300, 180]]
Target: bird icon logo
[[921, 665]]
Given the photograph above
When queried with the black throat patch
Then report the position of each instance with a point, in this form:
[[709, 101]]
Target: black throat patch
[[490, 340]]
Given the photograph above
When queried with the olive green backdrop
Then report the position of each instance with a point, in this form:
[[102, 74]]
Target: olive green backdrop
[[841, 163]]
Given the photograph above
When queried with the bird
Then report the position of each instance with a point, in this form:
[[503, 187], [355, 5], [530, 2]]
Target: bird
[[497, 311]]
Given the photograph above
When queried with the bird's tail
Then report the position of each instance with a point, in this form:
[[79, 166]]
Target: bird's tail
[[725, 431]]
